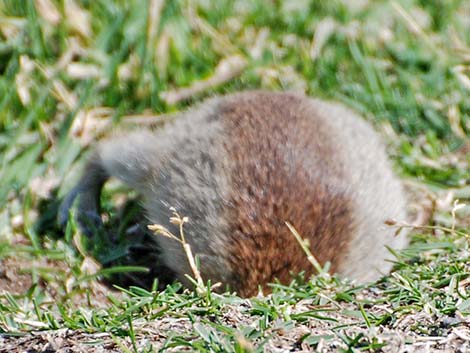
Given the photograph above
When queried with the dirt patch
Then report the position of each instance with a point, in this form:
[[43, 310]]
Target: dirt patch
[[13, 278]]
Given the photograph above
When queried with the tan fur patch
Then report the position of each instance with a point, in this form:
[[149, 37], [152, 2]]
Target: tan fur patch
[[281, 164]]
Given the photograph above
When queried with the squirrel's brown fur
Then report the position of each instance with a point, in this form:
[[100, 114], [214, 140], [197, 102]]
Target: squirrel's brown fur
[[242, 165]]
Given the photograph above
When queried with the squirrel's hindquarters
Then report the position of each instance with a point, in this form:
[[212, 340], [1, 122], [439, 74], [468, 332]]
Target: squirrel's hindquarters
[[242, 165]]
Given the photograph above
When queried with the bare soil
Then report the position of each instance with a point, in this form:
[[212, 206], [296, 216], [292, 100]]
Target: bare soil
[[13, 279]]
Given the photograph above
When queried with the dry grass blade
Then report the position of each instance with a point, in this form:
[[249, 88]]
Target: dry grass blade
[[154, 13], [78, 18], [459, 71], [148, 119], [414, 27], [226, 70], [323, 32], [48, 11]]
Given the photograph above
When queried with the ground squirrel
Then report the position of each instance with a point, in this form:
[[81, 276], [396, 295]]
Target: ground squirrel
[[240, 166]]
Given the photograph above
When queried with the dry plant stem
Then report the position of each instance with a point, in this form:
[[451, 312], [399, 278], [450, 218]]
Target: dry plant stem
[[192, 263], [227, 69], [59, 90], [305, 248], [154, 14], [147, 119], [456, 207], [459, 72], [444, 229], [201, 25], [325, 29], [189, 254], [414, 27], [180, 221]]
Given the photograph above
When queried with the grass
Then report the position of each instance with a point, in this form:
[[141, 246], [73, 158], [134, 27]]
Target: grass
[[69, 70]]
